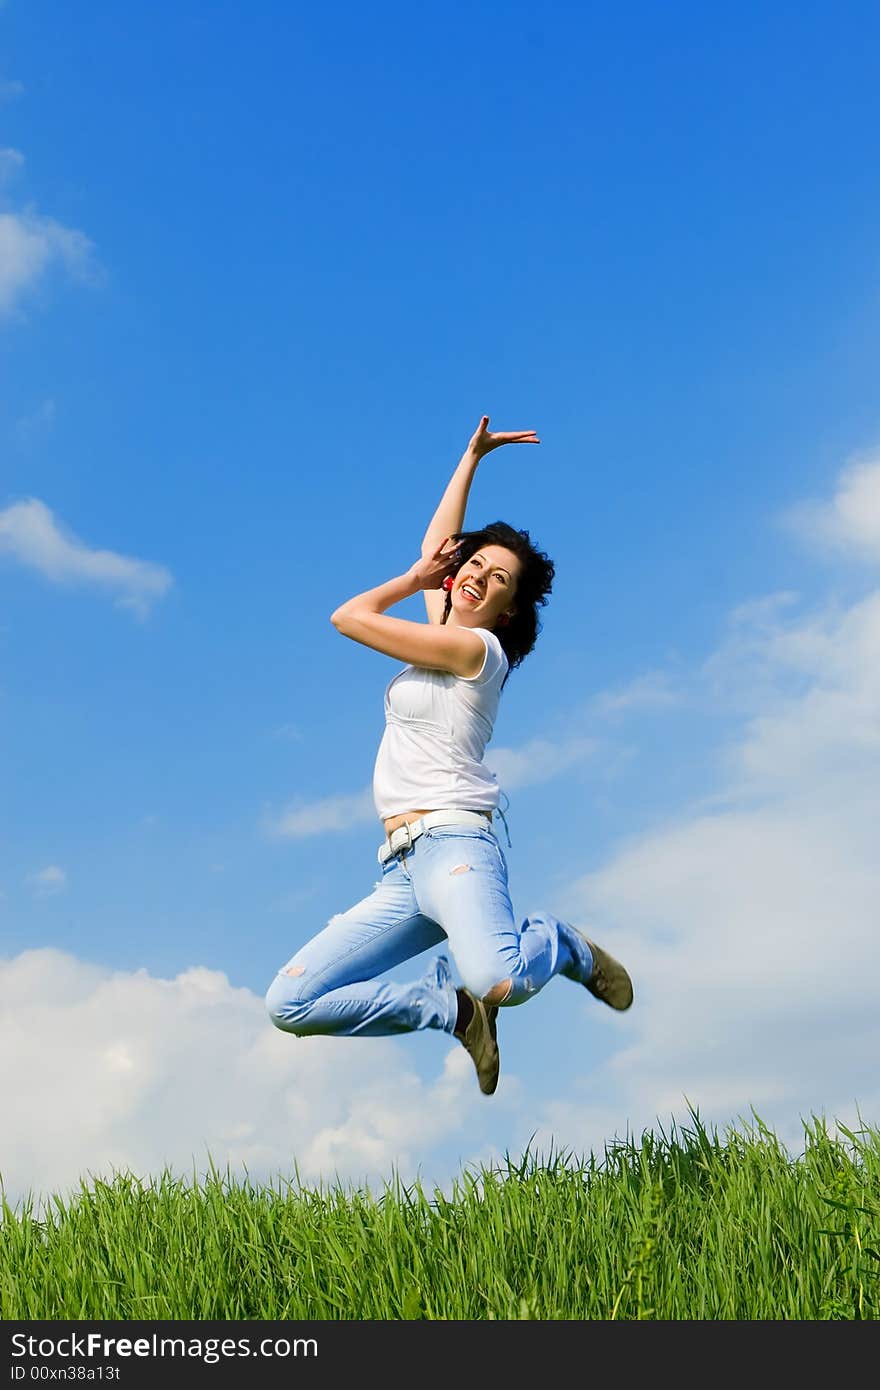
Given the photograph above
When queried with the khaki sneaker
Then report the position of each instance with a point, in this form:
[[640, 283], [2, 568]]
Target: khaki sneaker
[[479, 1040], [609, 981]]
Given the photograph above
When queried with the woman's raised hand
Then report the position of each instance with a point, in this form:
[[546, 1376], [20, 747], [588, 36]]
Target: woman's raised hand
[[483, 441]]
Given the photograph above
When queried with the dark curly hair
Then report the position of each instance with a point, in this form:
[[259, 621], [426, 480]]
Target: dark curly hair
[[533, 587]]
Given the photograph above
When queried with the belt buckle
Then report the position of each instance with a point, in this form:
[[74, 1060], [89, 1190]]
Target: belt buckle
[[408, 843]]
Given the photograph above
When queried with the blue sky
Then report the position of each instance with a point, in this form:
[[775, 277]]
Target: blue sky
[[261, 271]]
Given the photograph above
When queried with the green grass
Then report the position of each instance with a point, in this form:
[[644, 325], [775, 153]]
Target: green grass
[[680, 1226]]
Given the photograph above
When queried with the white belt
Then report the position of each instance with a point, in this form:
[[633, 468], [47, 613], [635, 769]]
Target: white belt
[[403, 836]]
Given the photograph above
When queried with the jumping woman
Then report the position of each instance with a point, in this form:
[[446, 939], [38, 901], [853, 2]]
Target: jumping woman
[[444, 873]]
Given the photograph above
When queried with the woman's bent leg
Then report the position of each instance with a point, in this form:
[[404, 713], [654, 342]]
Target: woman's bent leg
[[461, 882], [329, 986]]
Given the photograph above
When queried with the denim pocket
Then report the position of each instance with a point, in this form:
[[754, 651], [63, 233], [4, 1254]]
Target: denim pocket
[[443, 836], [460, 832]]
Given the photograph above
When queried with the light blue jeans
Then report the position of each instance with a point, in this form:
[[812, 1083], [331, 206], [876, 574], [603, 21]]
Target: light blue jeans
[[450, 885]]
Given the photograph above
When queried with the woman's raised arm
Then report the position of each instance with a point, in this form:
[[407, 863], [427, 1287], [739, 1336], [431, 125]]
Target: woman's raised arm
[[448, 520]]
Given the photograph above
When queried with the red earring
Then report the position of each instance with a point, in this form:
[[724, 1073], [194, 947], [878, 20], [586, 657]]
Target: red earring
[[503, 619], [448, 583]]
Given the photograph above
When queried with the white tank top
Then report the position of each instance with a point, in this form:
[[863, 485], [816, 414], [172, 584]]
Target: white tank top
[[437, 726]]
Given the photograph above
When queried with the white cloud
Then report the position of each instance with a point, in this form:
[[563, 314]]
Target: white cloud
[[540, 760], [751, 939], [289, 733], [103, 1070], [49, 881], [30, 245], [653, 689], [30, 534], [37, 422], [751, 931], [10, 163], [851, 520], [809, 688], [298, 821]]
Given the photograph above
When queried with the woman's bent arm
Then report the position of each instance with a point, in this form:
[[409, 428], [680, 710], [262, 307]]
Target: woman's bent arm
[[430, 645]]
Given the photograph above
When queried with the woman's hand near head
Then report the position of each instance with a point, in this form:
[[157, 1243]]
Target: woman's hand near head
[[483, 441], [430, 571]]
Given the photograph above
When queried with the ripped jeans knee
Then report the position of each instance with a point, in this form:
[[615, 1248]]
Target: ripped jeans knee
[[289, 1002], [502, 991]]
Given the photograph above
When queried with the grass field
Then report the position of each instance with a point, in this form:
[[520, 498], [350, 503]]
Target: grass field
[[687, 1225]]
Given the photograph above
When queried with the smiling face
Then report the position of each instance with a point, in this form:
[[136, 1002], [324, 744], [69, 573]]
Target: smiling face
[[485, 588]]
